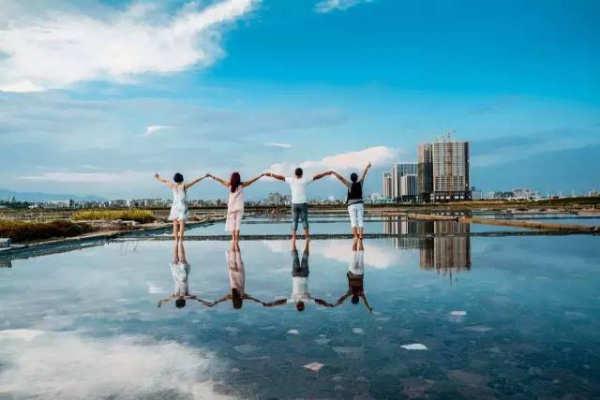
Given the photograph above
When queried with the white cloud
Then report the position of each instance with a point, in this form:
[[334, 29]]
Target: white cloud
[[280, 145], [58, 49], [380, 156], [152, 129], [325, 6], [21, 87], [88, 177], [42, 364]]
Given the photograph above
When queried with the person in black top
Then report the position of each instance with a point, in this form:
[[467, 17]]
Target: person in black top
[[355, 201]]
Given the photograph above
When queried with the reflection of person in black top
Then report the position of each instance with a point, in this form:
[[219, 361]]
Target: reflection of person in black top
[[180, 270], [356, 277]]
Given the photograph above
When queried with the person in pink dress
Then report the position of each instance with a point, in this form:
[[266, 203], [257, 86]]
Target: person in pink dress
[[235, 204]]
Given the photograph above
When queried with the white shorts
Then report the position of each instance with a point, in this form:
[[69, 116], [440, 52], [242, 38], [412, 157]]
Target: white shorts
[[357, 212], [234, 220]]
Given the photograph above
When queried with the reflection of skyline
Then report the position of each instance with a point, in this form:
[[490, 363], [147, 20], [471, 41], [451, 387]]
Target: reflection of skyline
[[442, 253]]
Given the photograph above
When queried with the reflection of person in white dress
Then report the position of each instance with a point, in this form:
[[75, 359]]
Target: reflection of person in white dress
[[179, 210], [180, 270], [356, 277], [235, 205]]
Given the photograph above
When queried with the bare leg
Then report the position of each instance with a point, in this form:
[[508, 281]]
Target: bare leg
[[237, 236], [294, 248], [361, 233], [175, 229], [360, 245], [355, 244], [175, 251], [355, 233], [181, 228], [307, 246], [307, 234], [181, 249]]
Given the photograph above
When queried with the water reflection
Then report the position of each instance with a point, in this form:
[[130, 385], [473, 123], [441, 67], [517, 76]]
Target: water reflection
[[180, 271], [5, 263], [443, 254], [237, 280], [300, 272], [356, 277]]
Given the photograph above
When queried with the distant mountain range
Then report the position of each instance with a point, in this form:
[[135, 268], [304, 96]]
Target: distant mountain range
[[38, 196]]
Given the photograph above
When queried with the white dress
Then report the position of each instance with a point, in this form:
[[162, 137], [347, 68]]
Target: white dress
[[179, 210], [180, 272]]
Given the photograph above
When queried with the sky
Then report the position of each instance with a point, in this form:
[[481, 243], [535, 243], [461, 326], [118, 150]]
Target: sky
[[97, 96]]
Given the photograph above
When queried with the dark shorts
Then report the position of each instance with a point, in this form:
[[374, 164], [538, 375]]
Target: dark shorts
[[300, 269], [299, 211]]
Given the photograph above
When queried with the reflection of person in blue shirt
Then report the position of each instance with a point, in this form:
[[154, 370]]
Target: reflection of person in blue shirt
[[356, 277], [180, 270]]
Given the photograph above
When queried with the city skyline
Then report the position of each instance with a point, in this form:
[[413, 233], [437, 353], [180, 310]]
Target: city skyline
[[132, 88]]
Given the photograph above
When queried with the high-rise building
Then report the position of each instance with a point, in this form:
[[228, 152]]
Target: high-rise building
[[451, 170], [408, 187], [387, 185], [425, 172], [398, 171]]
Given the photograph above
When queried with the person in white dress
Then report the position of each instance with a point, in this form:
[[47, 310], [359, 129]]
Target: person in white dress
[[179, 210], [235, 205]]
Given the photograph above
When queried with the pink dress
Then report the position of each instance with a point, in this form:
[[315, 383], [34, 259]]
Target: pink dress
[[235, 210]]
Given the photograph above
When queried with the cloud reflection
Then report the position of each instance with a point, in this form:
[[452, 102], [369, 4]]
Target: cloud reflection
[[42, 364]]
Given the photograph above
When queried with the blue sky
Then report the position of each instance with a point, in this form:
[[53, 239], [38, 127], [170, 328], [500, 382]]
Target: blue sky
[[95, 96]]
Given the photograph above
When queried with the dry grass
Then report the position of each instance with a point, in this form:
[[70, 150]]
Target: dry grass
[[141, 216], [31, 231]]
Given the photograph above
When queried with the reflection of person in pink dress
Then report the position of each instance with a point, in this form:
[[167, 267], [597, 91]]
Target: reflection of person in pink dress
[[237, 279]]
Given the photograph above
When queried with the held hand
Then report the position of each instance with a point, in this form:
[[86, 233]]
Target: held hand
[[157, 176], [369, 164]]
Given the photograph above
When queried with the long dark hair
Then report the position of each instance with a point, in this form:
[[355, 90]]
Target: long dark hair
[[235, 181]]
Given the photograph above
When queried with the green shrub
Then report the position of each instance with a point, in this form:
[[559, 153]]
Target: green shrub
[[141, 216]]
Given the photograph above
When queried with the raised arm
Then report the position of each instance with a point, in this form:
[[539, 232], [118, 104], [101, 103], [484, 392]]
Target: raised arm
[[323, 303], [214, 303], [275, 176], [364, 174], [341, 178], [321, 175], [161, 179], [222, 181], [163, 301], [343, 299], [192, 183], [251, 181], [366, 303]]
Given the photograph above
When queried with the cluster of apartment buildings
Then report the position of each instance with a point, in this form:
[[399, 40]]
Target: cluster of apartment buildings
[[440, 174]]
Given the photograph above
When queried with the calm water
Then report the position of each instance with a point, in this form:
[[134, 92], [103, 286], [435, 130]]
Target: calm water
[[500, 317]]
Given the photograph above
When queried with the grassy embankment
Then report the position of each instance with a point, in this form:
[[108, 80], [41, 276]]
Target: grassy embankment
[[19, 231], [22, 231]]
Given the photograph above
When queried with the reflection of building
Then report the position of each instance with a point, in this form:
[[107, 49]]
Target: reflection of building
[[387, 185], [444, 246], [425, 172], [5, 263], [451, 170], [398, 171]]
